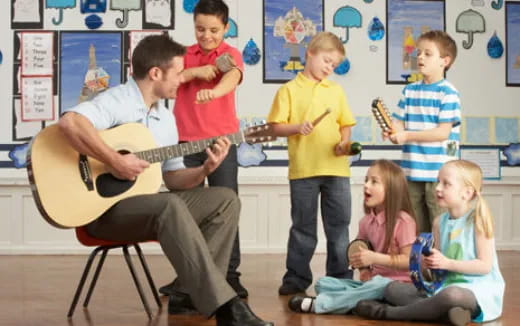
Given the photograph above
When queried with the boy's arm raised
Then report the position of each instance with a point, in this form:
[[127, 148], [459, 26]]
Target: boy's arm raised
[[229, 82], [207, 73]]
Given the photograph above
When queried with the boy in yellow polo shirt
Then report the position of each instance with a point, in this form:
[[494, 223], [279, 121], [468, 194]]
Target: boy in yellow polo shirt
[[317, 162]]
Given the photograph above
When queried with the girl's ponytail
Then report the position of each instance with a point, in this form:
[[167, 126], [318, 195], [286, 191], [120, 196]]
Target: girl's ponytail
[[483, 220], [472, 176]]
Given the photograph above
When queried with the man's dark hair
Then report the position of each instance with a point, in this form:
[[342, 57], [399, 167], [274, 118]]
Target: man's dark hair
[[212, 7], [154, 51]]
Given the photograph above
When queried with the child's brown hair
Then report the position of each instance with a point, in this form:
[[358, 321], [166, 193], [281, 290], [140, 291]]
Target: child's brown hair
[[447, 46], [397, 199]]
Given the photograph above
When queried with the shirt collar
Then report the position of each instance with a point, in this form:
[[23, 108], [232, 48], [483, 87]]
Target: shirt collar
[[377, 218], [216, 52], [303, 81], [136, 93]]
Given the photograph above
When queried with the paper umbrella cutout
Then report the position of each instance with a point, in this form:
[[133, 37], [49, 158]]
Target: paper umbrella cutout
[[470, 22], [347, 17]]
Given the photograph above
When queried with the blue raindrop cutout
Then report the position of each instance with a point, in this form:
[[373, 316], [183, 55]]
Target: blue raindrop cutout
[[494, 47], [251, 53], [189, 5], [376, 29], [93, 21], [343, 67], [1, 57], [233, 29]]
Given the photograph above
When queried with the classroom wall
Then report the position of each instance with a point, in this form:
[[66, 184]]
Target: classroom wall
[[479, 79]]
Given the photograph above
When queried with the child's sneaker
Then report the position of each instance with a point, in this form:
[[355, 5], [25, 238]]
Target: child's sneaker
[[300, 303], [459, 316]]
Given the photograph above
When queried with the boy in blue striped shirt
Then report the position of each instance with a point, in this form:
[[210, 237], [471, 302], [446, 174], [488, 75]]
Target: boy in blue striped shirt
[[428, 124]]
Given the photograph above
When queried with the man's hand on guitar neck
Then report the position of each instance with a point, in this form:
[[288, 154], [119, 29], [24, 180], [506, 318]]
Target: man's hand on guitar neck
[[193, 176], [216, 154]]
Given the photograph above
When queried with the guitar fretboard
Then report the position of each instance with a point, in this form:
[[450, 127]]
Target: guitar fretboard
[[160, 154]]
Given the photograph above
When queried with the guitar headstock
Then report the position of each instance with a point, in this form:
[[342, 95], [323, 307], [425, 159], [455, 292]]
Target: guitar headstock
[[259, 134], [382, 115]]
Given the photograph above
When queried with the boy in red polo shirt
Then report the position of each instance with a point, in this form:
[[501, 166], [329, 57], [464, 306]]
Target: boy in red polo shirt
[[205, 108]]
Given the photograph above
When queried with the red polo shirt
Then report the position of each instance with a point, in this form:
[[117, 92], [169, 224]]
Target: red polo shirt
[[215, 118]]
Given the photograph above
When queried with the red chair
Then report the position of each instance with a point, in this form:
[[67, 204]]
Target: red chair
[[104, 246]]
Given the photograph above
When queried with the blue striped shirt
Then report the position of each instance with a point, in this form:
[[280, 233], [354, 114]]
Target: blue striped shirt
[[423, 107]]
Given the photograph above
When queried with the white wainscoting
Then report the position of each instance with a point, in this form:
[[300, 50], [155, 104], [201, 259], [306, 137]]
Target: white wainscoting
[[264, 223]]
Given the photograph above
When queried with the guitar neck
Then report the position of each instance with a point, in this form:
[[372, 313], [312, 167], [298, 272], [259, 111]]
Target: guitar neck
[[160, 154]]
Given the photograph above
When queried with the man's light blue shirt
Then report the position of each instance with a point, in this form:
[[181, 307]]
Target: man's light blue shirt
[[125, 104]]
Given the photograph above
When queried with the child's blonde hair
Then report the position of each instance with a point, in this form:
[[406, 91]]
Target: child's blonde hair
[[397, 199], [446, 45], [471, 175], [325, 41]]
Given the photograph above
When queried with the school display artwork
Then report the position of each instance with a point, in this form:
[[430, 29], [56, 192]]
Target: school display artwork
[[376, 29], [512, 44], [497, 4], [26, 14], [89, 63], [512, 153], [60, 5], [189, 5], [347, 17], [158, 14], [250, 154], [495, 48], [251, 53], [125, 6], [507, 130], [288, 27], [476, 130], [34, 81], [406, 21]]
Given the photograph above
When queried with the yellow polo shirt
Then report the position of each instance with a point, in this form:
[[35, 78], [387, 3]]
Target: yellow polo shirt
[[302, 99]]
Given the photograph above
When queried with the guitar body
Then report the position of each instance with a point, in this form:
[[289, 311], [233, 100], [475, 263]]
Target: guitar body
[[72, 190]]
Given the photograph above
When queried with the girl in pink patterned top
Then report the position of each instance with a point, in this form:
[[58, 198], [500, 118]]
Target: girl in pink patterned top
[[389, 224]]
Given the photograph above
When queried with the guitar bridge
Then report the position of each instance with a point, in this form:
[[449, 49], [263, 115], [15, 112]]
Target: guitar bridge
[[84, 171]]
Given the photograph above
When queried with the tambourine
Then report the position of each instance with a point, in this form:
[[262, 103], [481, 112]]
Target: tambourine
[[355, 246], [422, 246]]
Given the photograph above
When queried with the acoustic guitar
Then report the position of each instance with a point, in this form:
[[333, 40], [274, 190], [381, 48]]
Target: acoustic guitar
[[71, 189]]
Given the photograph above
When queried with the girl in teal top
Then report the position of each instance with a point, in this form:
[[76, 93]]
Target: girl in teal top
[[465, 247]]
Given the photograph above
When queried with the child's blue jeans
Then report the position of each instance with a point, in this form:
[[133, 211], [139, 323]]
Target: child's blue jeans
[[335, 207]]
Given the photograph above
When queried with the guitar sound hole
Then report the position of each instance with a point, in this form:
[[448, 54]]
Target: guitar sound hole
[[109, 186]]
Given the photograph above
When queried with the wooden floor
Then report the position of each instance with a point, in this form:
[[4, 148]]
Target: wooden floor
[[37, 291]]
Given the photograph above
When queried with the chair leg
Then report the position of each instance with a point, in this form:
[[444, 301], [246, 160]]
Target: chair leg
[[95, 277], [136, 281], [82, 281], [148, 275]]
